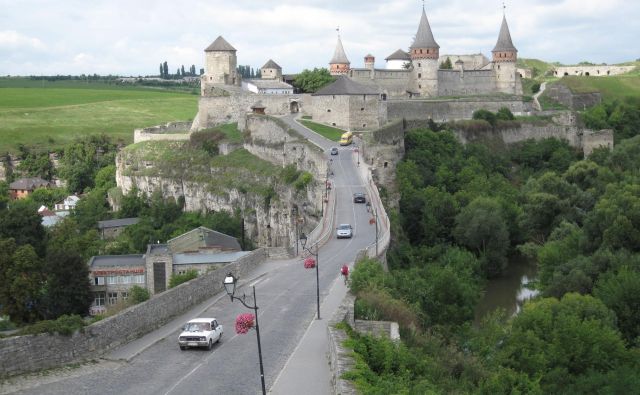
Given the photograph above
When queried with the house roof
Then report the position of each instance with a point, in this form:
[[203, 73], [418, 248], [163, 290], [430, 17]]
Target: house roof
[[158, 249], [504, 38], [338, 55], [398, 55], [50, 220], [220, 44], [115, 223], [268, 84], [271, 65], [201, 238], [204, 258], [424, 36], [29, 183], [346, 86], [116, 260]]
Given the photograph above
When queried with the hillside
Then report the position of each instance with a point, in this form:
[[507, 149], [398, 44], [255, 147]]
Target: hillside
[[49, 115]]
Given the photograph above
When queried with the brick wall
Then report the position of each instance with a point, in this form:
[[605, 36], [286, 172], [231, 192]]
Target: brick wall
[[24, 354]]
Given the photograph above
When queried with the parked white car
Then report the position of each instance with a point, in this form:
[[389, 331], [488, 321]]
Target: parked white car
[[200, 332]]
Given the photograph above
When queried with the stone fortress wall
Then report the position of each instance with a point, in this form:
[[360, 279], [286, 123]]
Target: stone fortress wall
[[169, 131], [216, 110], [466, 82], [574, 101], [454, 109], [594, 71]]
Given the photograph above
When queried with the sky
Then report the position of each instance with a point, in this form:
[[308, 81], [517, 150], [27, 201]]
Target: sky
[[132, 37]]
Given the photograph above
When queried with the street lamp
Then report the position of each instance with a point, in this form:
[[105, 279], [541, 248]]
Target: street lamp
[[229, 283], [294, 211], [303, 241]]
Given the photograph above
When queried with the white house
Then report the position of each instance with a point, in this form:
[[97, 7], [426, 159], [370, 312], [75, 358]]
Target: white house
[[267, 87], [68, 204]]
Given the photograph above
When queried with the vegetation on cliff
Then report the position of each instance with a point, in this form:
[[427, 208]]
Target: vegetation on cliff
[[463, 211]]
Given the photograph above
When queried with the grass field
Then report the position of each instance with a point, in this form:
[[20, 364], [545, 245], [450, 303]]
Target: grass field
[[49, 117], [327, 131], [612, 88]]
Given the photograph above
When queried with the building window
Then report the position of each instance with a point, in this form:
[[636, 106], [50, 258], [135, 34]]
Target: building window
[[419, 65], [112, 279], [333, 123], [99, 299], [419, 75], [419, 86], [98, 281], [139, 279], [124, 295], [361, 108], [364, 125], [112, 297], [328, 110]]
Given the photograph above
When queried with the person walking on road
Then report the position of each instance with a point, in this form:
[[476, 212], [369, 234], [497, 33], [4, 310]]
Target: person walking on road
[[345, 273]]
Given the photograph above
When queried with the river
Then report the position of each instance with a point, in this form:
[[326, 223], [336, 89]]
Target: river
[[509, 291]]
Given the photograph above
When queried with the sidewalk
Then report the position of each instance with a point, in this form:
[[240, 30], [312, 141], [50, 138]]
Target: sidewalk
[[307, 370]]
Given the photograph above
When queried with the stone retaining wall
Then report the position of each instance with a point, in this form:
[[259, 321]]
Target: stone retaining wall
[[30, 353], [340, 360], [169, 131]]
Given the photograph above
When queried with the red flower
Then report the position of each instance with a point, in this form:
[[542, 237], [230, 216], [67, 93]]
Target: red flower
[[309, 263], [244, 322]]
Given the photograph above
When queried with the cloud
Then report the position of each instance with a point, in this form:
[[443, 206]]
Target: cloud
[[125, 37]]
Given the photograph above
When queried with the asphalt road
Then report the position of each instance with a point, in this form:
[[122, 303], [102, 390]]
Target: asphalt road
[[286, 297]]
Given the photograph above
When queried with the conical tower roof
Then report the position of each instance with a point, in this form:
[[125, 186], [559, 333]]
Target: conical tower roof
[[220, 44], [504, 38], [339, 56], [424, 36], [271, 65]]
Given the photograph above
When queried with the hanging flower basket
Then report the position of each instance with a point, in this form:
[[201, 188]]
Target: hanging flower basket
[[309, 263], [372, 221], [244, 322]]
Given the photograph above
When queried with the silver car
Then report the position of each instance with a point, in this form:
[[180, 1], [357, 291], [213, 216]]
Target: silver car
[[344, 231]]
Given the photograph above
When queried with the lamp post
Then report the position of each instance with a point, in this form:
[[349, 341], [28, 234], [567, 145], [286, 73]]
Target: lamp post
[[230, 286], [303, 241], [294, 211]]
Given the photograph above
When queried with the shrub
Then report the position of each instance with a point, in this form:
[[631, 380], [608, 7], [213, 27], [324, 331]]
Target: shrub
[[65, 325], [486, 115], [303, 180], [178, 279], [6, 324], [138, 294]]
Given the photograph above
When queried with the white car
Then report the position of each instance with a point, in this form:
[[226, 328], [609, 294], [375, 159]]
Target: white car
[[200, 332], [344, 231]]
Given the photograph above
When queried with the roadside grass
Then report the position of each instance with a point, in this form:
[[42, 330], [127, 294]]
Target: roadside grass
[[49, 118], [329, 132], [231, 131]]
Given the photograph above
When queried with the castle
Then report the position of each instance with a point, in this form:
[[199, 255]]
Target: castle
[[418, 72], [412, 86]]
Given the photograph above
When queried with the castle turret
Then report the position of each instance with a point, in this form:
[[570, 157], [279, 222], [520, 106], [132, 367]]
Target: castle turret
[[339, 64], [271, 71], [369, 62], [424, 54], [220, 64], [505, 56]]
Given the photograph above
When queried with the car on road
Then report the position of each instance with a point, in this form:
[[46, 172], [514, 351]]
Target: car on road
[[344, 231], [333, 151], [359, 197], [200, 332]]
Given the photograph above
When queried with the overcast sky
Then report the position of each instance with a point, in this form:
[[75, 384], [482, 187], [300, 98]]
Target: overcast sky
[[132, 37]]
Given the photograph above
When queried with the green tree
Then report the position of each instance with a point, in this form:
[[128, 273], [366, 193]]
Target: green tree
[[132, 204], [25, 281], [4, 194], [106, 177], [138, 294], [481, 227], [48, 196], [310, 81], [177, 279], [560, 341], [165, 69], [83, 158], [621, 293], [504, 114], [22, 222], [446, 65], [67, 289], [37, 165], [91, 209]]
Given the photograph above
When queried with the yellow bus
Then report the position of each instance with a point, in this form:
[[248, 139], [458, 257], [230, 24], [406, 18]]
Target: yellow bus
[[346, 138]]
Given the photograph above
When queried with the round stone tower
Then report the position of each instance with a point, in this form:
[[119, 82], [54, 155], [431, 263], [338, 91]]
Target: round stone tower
[[505, 56], [369, 61], [220, 63], [424, 54], [339, 64]]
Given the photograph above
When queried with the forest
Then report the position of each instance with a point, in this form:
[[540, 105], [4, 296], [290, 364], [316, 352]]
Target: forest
[[464, 212]]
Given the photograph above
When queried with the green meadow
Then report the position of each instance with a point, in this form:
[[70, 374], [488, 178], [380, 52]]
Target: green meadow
[[47, 115]]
